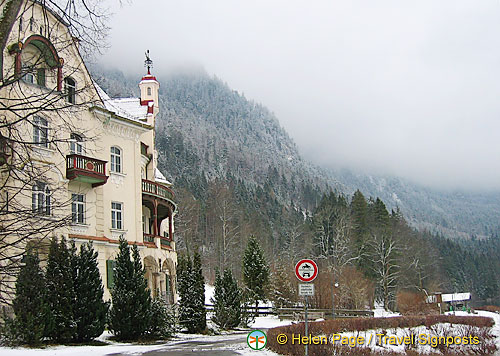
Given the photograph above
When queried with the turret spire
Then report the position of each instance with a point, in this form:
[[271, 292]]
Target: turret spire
[[148, 62]]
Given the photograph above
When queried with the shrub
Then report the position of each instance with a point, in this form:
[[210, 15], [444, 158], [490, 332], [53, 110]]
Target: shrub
[[162, 320], [410, 303], [481, 327]]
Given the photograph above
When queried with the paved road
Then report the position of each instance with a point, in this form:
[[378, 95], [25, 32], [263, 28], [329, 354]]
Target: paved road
[[203, 345]]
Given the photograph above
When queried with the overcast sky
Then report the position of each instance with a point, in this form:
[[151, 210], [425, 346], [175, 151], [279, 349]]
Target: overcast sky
[[410, 88]]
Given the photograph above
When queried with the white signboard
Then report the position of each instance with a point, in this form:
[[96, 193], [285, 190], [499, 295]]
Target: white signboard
[[306, 289]]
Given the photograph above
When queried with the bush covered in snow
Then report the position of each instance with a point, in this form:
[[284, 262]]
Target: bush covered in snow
[[431, 326]]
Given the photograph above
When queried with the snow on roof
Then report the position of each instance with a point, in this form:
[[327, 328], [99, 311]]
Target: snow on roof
[[160, 178], [129, 108], [455, 297]]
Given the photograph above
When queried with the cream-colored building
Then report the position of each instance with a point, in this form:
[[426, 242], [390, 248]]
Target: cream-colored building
[[88, 161]]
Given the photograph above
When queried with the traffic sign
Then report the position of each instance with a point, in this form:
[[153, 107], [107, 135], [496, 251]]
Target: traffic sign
[[306, 289], [306, 270]]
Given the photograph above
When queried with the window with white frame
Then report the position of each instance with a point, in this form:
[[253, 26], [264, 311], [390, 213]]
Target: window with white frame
[[40, 198], [41, 131], [116, 159], [78, 208], [76, 144], [34, 75], [70, 90], [117, 216]]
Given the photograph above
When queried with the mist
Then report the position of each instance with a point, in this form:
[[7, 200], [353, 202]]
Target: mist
[[404, 88]]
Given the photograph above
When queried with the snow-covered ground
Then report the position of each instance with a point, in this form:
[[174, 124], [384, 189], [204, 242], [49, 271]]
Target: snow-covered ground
[[232, 343]]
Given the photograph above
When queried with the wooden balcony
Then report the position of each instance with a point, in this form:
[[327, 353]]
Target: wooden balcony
[[150, 241], [86, 170], [157, 190]]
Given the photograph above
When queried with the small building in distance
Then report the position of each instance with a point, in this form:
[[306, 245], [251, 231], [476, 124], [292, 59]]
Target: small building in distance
[[450, 301]]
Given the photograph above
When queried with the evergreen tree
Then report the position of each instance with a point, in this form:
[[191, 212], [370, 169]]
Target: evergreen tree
[[184, 267], [60, 293], [226, 300], [200, 313], [162, 323], [360, 231], [255, 271], [89, 309], [131, 301], [192, 313], [29, 303]]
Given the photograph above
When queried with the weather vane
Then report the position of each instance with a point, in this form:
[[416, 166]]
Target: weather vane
[[148, 62]]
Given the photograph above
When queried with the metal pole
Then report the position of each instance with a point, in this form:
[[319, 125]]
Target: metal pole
[[307, 350], [333, 300]]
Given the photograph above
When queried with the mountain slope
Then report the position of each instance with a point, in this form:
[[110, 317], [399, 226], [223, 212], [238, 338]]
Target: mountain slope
[[205, 128]]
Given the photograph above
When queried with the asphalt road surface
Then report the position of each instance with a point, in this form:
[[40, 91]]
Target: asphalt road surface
[[204, 345]]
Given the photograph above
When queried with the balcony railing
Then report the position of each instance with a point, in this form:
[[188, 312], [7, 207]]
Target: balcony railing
[[165, 243], [156, 189], [149, 237], [86, 169]]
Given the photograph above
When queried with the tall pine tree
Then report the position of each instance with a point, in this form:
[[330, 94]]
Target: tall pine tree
[[60, 293], [89, 309], [200, 314], [255, 271], [192, 312], [226, 300], [29, 303], [131, 300]]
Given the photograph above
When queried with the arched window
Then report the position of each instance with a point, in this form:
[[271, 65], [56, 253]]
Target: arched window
[[70, 90], [41, 131], [116, 159], [40, 198], [34, 60], [76, 144], [149, 91]]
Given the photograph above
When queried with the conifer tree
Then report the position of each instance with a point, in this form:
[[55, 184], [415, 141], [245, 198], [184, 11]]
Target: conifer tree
[[200, 314], [60, 293], [226, 300], [192, 313], [184, 267], [131, 301], [255, 271], [29, 303], [89, 309]]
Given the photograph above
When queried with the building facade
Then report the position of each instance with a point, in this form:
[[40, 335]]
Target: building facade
[[75, 162]]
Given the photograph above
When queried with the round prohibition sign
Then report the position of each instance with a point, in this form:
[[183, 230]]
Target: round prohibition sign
[[306, 270]]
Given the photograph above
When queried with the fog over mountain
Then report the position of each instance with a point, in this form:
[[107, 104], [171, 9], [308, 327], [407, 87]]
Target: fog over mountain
[[393, 87]]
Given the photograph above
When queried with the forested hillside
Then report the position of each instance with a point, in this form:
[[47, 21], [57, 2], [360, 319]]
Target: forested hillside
[[237, 173]]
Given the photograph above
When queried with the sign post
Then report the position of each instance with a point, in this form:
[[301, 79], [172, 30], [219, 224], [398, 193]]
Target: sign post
[[306, 271]]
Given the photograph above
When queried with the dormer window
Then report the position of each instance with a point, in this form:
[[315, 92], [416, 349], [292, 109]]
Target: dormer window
[[34, 76], [29, 77], [70, 90], [36, 60]]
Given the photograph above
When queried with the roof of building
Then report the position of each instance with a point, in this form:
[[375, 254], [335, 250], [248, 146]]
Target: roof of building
[[455, 297], [160, 178], [129, 108]]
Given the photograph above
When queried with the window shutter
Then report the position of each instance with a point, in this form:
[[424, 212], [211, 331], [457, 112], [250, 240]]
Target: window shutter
[[110, 272], [40, 76]]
